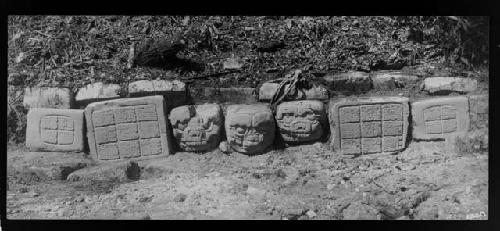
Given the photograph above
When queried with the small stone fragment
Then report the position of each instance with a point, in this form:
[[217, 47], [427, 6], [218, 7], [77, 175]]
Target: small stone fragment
[[181, 197]]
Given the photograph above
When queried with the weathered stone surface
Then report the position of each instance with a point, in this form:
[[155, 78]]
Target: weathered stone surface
[[478, 111], [349, 82], [440, 117], [127, 128], [196, 127], [48, 97], [249, 128], [234, 95], [116, 172], [55, 129], [388, 80], [34, 167], [97, 92], [301, 121], [369, 125], [446, 85], [316, 92], [174, 91]]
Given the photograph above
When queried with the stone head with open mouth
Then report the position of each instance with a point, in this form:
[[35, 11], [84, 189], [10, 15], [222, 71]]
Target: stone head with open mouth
[[197, 127], [301, 121], [249, 128]]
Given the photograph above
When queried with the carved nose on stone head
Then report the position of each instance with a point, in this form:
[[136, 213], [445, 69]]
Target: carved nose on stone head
[[253, 138], [195, 135], [301, 126]]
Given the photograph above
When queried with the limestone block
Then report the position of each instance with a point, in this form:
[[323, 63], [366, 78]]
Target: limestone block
[[127, 128], [440, 117], [316, 92], [388, 80], [97, 92], [369, 125], [349, 82], [478, 111], [301, 121], [48, 97], [174, 91], [55, 129], [446, 85], [197, 127], [234, 95], [249, 128]]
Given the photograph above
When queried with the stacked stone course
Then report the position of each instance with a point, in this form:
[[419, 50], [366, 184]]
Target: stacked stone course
[[140, 127]]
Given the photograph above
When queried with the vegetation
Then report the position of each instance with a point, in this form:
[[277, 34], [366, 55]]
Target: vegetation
[[72, 51]]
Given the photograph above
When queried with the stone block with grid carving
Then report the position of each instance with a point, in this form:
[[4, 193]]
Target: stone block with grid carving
[[55, 129], [127, 128], [369, 125], [440, 117]]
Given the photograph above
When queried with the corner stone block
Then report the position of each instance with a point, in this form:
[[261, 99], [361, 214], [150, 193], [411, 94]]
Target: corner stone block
[[388, 80], [174, 91], [446, 85], [197, 127], [97, 92], [47, 97], [301, 121], [127, 128], [349, 82], [249, 128], [440, 117], [479, 111], [369, 125], [55, 130], [316, 92]]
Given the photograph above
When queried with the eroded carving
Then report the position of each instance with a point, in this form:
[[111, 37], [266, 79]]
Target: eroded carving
[[58, 130], [196, 127], [249, 128], [440, 119], [300, 121], [127, 128]]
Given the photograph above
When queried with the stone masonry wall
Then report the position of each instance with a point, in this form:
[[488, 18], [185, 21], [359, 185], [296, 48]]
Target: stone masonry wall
[[137, 126]]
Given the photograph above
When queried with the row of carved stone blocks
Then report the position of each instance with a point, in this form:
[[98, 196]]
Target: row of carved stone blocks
[[136, 127]]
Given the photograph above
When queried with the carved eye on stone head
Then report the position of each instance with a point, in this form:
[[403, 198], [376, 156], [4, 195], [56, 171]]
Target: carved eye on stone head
[[207, 124], [288, 117], [312, 116], [238, 130], [179, 116], [261, 120], [241, 130]]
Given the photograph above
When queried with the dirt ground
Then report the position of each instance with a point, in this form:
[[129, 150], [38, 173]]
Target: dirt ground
[[428, 180]]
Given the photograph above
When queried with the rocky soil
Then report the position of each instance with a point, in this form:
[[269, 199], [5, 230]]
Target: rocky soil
[[428, 180]]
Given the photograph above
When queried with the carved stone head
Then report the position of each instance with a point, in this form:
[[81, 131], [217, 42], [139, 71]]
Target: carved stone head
[[249, 128], [301, 121], [196, 127]]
